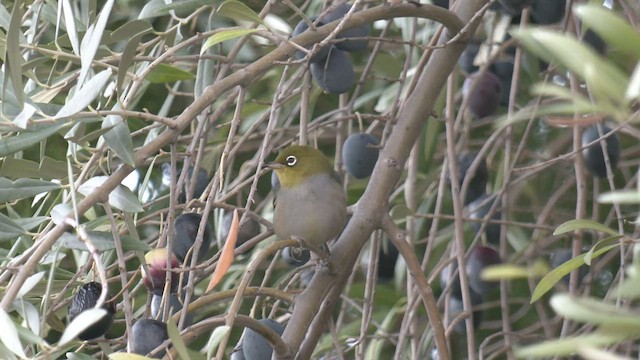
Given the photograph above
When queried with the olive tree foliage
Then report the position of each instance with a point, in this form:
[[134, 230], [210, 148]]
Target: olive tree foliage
[[98, 98]]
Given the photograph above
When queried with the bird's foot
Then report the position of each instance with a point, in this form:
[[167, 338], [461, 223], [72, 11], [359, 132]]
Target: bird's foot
[[323, 255]]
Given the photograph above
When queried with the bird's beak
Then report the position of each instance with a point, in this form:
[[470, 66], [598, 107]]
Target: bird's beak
[[273, 165]]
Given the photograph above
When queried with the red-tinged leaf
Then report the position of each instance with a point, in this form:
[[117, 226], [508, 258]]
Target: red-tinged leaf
[[227, 256]]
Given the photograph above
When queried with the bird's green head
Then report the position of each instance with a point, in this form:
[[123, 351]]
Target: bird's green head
[[297, 163]]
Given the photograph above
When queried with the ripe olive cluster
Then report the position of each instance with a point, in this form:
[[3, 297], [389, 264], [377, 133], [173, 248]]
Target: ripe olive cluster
[[331, 67]]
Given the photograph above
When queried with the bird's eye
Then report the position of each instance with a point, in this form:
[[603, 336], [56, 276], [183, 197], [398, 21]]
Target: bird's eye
[[291, 160]]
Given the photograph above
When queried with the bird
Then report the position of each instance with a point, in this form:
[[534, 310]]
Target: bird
[[310, 205]]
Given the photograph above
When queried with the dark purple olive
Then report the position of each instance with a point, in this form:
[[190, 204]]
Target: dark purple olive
[[594, 156], [86, 298], [545, 12], [295, 256], [512, 7], [468, 57], [358, 32], [480, 258], [360, 154], [249, 228], [335, 73], [175, 305], [237, 354], [441, 3], [478, 209], [595, 41], [504, 71], [154, 279], [321, 52], [202, 181], [255, 346], [482, 93], [146, 335], [387, 258], [478, 183], [184, 236]]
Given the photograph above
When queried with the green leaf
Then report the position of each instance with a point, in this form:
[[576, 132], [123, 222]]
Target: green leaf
[[8, 228], [609, 242], [215, 338], [79, 356], [224, 36], [555, 275], [85, 95], [603, 78], [164, 73], [120, 198], [82, 322], [611, 27], [156, 8], [238, 11], [133, 31], [9, 335], [582, 224], [23, 188], [595, 312], [568, 346], [103, 241], [91, 42], [510, 271], [176, 339], [30, 223], [13, 144], [127, 356], [620, 197], [14, 59], [119, 137], [30, 283]]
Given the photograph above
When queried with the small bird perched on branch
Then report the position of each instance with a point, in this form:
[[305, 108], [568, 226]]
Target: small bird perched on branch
[[310, 205]]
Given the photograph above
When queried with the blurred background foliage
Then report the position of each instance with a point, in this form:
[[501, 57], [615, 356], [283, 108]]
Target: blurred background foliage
[[87, 84]]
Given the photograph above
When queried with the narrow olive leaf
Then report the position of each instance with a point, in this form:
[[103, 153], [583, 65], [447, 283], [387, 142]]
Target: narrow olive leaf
[[103, 241], [60, 212], [85, 95], [588, 352], [30, 283], [238, 11], [610, 243], [612, 28], [13, 144], [81, 323], [227, 255], [216, 337], [31, 223], [127, 356], [568, 346], [608, 82], [79, 356], [13, 56], [224, 36], [593, 311], [70, 24], [23, 188], [22, 120], [620, 197], [133, 30], [91, 42], [31, 315], [633, 91], [555, 275], [156, 8], [579, 224], [176, 339], [9, 335], [164, 73], [119, 137], [8, 228], [120, 198], [511, 272]]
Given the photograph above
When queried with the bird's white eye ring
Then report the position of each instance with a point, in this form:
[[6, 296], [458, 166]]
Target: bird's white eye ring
[[291, 160]]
